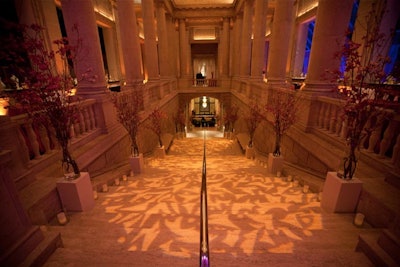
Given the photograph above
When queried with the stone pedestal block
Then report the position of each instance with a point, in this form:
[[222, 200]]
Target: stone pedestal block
[[275, 164], [76, 195], [137, 164], [340, 195]]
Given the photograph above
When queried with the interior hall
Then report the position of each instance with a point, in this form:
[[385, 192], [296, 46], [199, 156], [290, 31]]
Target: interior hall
[[199, 133]]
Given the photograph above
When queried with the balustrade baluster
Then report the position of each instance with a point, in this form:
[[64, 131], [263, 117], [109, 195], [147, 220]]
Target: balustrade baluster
[[77, 128], [44, 138], [387, 138], [345, 125], [82, 122], [25, 148], [72, 131], [334, 119], [92, 117], [321, 115], [327, 118], [396, 151], [87, 120], [32, 139]]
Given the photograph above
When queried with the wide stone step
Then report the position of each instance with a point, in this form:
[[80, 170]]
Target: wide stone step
[[369, 246], [391, 244]]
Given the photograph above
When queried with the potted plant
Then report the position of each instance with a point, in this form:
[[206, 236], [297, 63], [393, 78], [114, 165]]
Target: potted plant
[[129, 105], [155, 124], [366, 102], [282, 108], [47, 92], [230, 117], [180, 122], [253, 119]]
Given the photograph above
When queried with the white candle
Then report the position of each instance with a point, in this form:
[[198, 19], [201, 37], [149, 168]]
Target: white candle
[[116, 181], [289, 178], [105, 187], [319, 196], [359, 219], [62, 219], [306, 188], [295, 183], [278, 174], [95, 196], [124, 178]]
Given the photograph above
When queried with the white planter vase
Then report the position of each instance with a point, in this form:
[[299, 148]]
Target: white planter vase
[[137, 163], [340, 195], [275, 164]]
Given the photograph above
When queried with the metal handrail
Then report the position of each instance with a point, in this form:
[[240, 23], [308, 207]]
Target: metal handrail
[[204, 248]]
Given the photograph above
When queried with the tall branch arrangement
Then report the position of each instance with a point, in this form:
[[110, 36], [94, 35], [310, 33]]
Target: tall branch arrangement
[[156, 117], [253, 118], [361, 86], [179, 120], [230, 117], [47, 97], [129, 105], [283, 106]]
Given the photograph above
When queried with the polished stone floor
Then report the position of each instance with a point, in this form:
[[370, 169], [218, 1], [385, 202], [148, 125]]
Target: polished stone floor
[[255, 219]]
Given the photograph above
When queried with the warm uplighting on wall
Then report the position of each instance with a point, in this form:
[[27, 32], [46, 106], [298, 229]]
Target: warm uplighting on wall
[[204, 34]]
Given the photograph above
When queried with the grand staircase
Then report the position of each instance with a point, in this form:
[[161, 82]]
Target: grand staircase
[[152, 219]]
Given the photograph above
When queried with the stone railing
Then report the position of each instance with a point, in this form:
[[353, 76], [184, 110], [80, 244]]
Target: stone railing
[[383, 140], [40, 140], [205, 82]]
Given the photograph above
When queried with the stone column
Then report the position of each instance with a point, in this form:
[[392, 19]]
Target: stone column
[[223, 50], [246, 39], [237, 29], [80, 14], [324, 43], [130, 43], [163, 51], [150, 41], [280, 42], [183, 45], [258, 51]]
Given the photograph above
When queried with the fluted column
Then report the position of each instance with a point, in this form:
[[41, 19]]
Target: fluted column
[[246, 39], [223, 61], [165, 66], [90, 61], [236, 45], [258, 50], [324, 43], [130, 43], [183, 45], [150, 41], [280, 41]]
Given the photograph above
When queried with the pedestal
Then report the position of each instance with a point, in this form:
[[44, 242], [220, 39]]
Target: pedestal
[[137, 163], [275, 164], [250, 152], [159, 152], [340, 195], [76, 195]]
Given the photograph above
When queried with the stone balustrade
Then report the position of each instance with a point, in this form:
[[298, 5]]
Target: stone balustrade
[[383, 140], [39, 139]]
